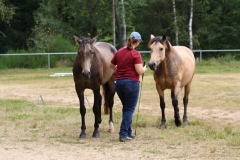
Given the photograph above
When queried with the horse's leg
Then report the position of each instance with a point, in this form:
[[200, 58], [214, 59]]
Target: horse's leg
[[96, 111], [82, 112], [162, 106], [174, 96], [99, 117], [185, 102], [110, 102]]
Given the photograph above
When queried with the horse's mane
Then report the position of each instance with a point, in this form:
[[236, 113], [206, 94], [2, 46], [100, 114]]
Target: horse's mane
[[85, 40], [160, 39]]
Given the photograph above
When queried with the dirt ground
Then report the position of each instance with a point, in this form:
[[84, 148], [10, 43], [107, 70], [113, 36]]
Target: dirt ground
[[66, 96]]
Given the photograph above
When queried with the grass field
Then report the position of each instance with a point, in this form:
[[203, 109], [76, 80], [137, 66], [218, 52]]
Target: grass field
[[31, 129]]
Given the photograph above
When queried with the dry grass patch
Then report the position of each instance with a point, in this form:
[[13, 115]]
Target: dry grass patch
[[32, 130]]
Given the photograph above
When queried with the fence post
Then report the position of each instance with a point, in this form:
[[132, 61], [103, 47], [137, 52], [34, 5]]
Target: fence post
[[49, 61], [200, 55]]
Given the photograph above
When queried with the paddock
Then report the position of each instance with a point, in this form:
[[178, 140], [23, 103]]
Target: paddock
[[50, 130]]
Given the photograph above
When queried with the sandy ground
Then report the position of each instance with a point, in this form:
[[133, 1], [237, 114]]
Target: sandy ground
[[66, 96]]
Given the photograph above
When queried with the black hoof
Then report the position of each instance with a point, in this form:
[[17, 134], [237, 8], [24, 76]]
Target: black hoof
[[178, 122], [96, 135], [185, 122], [163, 125], [82, 135]]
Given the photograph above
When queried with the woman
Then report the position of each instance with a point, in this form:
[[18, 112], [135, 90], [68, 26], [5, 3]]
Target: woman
[[128, 65]]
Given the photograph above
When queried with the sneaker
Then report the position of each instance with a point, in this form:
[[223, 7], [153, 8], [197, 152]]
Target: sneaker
[[125, 139], [132, 136]]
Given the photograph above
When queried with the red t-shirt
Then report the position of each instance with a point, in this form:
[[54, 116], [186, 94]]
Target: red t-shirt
[[125, 60]]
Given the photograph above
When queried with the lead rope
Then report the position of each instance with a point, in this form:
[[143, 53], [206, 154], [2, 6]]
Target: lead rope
[[139, 102]]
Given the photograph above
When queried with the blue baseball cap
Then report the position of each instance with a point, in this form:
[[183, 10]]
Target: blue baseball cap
[[136, 35]]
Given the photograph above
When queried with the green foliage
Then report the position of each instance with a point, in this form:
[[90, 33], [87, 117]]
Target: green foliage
[[36, 61], [20, 26], [48, 24], [23, 62], [60, 44], [6, 12], [217, 25]]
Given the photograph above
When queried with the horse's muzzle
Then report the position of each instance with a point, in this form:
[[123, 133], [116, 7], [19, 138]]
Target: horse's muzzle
[[152, 66], [86, 74]]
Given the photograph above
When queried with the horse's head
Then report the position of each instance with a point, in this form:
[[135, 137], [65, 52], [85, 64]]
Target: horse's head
[[86, 52], [159, 46]]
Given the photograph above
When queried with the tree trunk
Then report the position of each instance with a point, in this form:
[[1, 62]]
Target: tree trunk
[[93, 31], [114, 22], [190, 26], [119, 29], [124, 23], [175, 21]]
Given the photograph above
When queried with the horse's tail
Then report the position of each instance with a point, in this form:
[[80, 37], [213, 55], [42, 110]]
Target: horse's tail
[[105, 96], [108, 94]]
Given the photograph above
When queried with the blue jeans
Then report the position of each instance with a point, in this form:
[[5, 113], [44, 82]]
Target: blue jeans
[[128, 91]]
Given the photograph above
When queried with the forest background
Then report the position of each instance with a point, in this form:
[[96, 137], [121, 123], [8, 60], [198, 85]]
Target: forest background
[[29, 26]]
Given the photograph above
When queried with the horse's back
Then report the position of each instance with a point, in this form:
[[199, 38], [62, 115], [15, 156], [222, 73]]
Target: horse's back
[[184, 52], [107, 52], [188, 63], [186, 55]]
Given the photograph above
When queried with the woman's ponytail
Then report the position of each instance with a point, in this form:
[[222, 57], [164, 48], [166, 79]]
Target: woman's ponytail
[[130, 42]]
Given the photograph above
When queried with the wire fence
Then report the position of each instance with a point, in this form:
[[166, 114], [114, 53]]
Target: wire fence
[[198, 55]]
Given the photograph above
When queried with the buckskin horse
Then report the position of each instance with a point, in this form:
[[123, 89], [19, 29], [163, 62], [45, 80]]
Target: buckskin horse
[[173, 68], [91, 70]]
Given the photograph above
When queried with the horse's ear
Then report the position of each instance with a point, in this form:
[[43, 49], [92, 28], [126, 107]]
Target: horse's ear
[[152, 36], [151, 40], [94, 39], [164, 37], [77, 39]]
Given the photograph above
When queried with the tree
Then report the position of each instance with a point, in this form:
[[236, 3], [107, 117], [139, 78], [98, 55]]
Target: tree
[[190, 26], [6, 11], [6, 14], [18, 28], [218, 24], [175, 21], [125, 13], [67, 18]]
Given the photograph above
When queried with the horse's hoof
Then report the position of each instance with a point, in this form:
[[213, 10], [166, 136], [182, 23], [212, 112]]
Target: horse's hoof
[[111, 130], [96, 135], [82, 135], [185, 122], [111, 127], [163, 125], [178, 122]]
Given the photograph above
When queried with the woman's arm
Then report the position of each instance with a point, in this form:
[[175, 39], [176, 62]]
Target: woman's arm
[[140, 69], [114, 67]]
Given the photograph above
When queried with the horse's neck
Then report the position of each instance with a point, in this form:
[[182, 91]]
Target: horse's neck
[[169, 65], [98, 58]]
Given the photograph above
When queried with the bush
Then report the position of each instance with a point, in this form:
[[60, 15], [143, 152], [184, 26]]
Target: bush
[[59, 44]]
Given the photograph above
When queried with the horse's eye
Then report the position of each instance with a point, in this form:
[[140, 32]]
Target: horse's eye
[[161, 49]]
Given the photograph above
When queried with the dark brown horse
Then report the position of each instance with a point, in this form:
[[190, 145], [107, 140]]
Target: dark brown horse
[[91, 70], [173, 67]]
